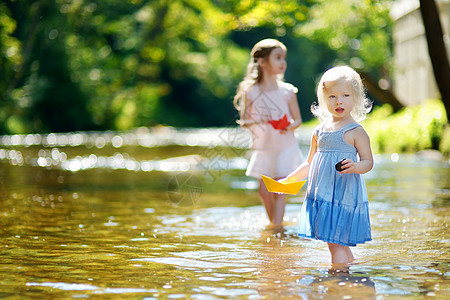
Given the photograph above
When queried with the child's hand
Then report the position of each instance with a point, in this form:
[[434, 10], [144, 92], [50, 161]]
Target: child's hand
[[282, 180], [283, 131], [347, 166], [285, 180]]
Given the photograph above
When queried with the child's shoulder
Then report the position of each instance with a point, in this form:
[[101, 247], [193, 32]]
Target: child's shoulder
[[358, 129], [318, 128], [252, 91], [288, 87]]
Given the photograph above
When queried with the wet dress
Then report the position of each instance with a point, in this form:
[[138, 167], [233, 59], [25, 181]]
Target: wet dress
[[336, 207]]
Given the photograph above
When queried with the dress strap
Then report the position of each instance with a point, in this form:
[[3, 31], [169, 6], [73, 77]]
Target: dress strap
[[350, 127]]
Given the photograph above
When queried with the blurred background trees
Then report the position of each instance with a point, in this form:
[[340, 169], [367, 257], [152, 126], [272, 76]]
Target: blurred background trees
[[117, 64]]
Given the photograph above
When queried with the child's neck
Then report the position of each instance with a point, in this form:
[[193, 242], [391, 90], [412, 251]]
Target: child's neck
[[268, 83], [338, 123]]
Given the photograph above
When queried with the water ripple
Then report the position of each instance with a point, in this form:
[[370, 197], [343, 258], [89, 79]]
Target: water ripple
[[87, 287]]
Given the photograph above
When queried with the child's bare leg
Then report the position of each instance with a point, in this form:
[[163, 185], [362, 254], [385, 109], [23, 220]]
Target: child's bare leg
[[278, 209], [349, 254], [339, 253], [266, 198]]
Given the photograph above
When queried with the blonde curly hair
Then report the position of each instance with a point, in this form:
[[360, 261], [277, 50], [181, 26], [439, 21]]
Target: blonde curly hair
[[332, 76]]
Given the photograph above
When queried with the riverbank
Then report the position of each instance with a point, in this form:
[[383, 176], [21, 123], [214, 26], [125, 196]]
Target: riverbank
[[413, 129]]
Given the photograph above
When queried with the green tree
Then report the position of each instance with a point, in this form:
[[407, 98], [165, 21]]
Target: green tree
[[141, 65], [11, 59], [360, 34], [44, 96], [168, 62], [117, 64]]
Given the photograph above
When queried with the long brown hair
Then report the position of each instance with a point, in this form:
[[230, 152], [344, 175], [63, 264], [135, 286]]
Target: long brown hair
[[260, 51]]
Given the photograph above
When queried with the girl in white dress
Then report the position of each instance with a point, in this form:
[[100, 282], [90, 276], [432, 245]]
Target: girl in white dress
[[268, 107]]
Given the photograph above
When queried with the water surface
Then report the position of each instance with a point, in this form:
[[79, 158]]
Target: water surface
[[169, 214]]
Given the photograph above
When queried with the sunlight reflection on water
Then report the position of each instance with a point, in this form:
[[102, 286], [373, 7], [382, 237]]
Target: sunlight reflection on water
[[145, 137], [142, 137]]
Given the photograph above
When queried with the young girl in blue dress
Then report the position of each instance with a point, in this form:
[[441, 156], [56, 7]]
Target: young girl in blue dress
[[336, 208]]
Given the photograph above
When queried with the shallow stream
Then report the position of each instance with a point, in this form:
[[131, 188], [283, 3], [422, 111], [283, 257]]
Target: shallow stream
[[166, 214]]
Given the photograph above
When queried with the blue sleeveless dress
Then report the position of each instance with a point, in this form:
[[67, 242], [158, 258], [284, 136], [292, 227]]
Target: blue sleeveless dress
[[336, 208]]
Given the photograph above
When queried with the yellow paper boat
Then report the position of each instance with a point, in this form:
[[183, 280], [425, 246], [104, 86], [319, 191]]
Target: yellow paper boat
[[283, 188]]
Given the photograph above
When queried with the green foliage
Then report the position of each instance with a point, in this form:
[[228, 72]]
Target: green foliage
[[412, 129], [359, 31], [41, 93], [445, 143], [146, 67], [10, 61], [90, 64], [114, 64]]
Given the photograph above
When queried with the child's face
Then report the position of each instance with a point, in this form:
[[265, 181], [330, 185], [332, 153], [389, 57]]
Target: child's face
[[340, 100], [276, 62]]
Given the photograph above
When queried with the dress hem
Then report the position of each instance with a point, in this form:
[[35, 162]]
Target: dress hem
[[350, 244]]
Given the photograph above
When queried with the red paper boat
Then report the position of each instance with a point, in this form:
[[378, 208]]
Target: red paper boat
[[280, 124]]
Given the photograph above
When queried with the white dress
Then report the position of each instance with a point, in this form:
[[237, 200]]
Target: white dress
[[275, 154]]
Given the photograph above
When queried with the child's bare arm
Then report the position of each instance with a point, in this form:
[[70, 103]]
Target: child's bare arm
[[302, 171], [295, 113], [361, 141], [247, 118]]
